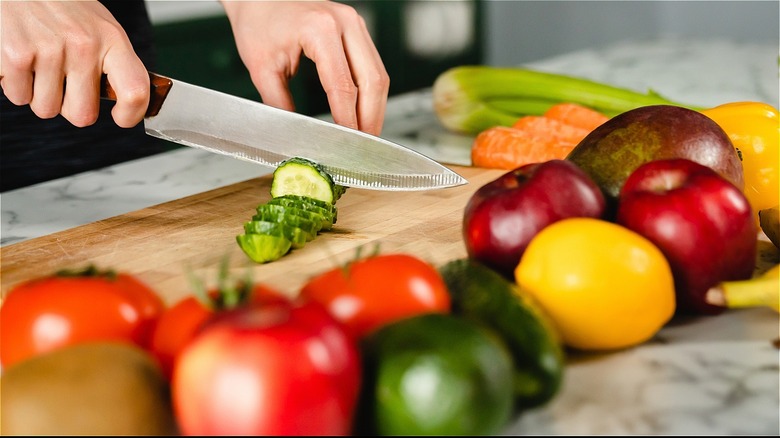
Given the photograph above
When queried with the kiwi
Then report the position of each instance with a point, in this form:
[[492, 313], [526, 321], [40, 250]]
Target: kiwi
[[98, 388]]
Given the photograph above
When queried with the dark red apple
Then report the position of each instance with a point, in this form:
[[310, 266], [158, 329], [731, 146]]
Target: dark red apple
[[702, 223], [502, 216]]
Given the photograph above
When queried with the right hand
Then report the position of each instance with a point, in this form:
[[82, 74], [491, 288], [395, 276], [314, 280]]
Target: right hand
[[52, 55]]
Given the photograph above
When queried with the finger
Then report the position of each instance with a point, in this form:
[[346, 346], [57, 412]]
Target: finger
[[17, 86], [81, 103], [17, 58], [47, 91], [369, 74], [336, 78], [274, 89], [130, 81]]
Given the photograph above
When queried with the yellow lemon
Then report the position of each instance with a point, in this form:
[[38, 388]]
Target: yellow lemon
[[605, 286]]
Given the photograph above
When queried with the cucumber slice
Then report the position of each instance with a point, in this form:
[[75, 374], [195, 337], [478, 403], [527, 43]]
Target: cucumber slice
[[295, 235], [279, 213], [263, 248], [299, 176], [317, 202], [310, 215], [329, 216]]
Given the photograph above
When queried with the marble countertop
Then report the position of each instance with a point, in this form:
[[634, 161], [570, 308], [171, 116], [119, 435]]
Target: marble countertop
[[711, 375]]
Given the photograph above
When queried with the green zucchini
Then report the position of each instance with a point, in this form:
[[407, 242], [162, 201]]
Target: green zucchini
[[482, 294], [299, 176], [263, 248]]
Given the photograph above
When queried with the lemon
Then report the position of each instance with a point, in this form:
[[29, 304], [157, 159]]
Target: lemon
[[604, 286]]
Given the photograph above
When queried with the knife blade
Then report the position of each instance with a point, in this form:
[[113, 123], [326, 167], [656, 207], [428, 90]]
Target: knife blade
[[247, 130]]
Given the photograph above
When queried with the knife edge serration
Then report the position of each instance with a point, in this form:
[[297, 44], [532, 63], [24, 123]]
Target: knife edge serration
[[394, 182]]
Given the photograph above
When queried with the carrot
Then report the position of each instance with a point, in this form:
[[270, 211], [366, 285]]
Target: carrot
[[554, 129], [576, 115], [534, 139], [503, 147]]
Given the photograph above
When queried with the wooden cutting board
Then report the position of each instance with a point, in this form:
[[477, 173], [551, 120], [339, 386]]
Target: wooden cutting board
[[164, 243]]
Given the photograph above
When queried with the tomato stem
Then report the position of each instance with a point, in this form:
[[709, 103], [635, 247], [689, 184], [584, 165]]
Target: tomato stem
[[89, 271]]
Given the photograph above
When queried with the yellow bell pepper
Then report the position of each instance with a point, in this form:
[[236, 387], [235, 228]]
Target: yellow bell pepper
[[754, 129]]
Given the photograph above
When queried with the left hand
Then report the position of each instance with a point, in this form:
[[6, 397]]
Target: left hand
[[271, 36]]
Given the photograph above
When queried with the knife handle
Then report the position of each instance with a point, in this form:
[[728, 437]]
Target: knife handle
[[159, 88]]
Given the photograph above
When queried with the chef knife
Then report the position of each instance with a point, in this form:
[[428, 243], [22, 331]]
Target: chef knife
[[244, 129]]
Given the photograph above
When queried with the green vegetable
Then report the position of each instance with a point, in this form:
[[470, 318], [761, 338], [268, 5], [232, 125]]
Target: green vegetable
[[295, 235], [327, 216], [470, 99], [482, 294], [319, 203], [279, 213], [434, 374], [302, 205], [263, 248], [299, 176]]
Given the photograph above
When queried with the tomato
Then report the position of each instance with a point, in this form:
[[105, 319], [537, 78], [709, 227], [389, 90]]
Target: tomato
[[275, 369], [371, 292], [180, 323], [50, 312]]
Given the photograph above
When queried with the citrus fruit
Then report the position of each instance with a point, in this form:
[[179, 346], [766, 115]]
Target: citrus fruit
[[604, 286]]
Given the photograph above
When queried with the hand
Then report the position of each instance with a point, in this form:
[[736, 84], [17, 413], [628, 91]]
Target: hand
[[271, 36], [53, 54]]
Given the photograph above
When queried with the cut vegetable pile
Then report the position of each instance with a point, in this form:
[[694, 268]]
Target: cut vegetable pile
[[302, 204]]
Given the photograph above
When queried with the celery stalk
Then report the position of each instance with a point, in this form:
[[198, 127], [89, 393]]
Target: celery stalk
[[469, 99]]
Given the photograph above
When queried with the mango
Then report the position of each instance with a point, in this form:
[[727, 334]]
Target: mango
[[611, 152]]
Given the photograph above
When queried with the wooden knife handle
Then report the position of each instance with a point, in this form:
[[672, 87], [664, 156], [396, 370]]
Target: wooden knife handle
[[159, 88]]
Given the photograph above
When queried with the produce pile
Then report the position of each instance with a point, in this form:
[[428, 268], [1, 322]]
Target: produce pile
[[654, 210]]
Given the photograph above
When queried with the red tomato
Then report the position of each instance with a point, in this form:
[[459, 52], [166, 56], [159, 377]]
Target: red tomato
[[277, 369], [371, 292], [51, 312], [180, 323]]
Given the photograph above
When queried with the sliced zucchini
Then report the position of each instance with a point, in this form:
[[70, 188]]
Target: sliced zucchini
[[295, 235], [263, 248], [299, 176]]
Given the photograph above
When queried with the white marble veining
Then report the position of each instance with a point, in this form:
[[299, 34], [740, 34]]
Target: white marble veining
[[700, 376]]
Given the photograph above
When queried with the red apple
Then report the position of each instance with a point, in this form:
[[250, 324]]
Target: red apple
[[701, 222], [504, 215]]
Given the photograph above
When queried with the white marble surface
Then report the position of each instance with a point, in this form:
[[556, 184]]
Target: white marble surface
[[700, 376]]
